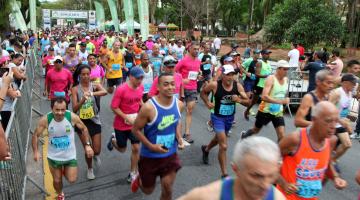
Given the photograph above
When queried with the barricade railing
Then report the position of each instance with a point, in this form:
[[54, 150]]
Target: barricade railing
[[13, 176]]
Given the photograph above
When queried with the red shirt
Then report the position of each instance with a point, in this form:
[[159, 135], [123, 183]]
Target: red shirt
[[59, 82], [189, 69], [301, 50]]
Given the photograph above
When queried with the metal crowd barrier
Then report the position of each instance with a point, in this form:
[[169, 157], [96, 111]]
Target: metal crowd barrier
[[13, 176]]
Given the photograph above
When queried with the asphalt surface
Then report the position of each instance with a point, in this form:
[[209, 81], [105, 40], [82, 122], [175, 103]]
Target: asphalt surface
[[110, 182]]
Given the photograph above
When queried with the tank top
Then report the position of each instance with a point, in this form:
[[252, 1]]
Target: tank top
[[224, 106], [61, 138], [265, 70], [278, 91], [83, 57], [115, 64], [148, 80], [89, 109], [69, 62], [306, 168], [315, 101], [162, 130], [227, 192], [129, 59], [344, 104]]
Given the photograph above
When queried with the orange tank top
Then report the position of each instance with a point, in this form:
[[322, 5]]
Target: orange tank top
[[306, 168]]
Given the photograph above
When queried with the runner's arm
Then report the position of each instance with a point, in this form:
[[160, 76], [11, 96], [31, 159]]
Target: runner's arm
[[204, 94], [41, 127], [99, 90], [243, 100], [302, 111], [258, 70], [267, 89], [331, 171], [76, 104], [178, 127], [83, 134]]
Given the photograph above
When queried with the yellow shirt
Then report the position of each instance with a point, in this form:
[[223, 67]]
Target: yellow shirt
[[115, 63]]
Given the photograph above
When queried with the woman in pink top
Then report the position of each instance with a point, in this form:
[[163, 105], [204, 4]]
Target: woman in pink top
[[97, 72], [169, 64]]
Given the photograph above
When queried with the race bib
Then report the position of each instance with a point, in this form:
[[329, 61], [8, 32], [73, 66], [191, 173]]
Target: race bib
[[131, 116], [166, 140], [61, 143], [59, 94], [207, 66], [193, 75], [309, 188], [115, 67], [226, 109], [274, 108], [344, 112], [84, 62], [97, 80], [137, 56], [86, 110], [147, 87], [129, 65]]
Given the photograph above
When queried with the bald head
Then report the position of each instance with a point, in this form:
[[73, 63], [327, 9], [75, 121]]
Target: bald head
[[323, 108]]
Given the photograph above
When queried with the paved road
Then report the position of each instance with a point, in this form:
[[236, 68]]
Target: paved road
[[110, 182]]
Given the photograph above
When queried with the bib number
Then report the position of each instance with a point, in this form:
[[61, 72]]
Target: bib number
[[193, 75], [207, 66], [61, 143], [86, 110], [166, 140], [309, 188], [97, 80], [274, 108], [59, 94], [226, 109], [157, 65], [147, 87], [115, 67], [137, 56], [129, 65]]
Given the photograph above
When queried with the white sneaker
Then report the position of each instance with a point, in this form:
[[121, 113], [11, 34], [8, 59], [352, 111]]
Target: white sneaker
[[132, 176], [90, 174], [97, 161], [185, 142], [355, 136]]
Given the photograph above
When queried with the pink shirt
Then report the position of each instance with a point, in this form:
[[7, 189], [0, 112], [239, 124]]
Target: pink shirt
[[178, 82], [97, 72], [189, 69], [336, 67], [59, 81], [128, 101], [48, 62]]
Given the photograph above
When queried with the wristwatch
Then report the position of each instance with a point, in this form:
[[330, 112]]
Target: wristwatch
[[88, 143]]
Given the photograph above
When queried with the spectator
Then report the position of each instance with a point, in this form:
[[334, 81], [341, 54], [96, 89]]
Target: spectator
[[313, 68], [337, 65], [217, 44]]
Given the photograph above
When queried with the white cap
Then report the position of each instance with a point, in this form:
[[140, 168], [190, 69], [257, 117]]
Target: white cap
[[283, 64], [228, 69], [150, 36], [58, 58], [87, 37]]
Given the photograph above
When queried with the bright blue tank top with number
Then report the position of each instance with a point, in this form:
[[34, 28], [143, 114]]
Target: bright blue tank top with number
[[162, 130]]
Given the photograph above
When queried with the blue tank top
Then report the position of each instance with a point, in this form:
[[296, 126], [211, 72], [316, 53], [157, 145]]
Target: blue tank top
[[227, 192], [162, 130]]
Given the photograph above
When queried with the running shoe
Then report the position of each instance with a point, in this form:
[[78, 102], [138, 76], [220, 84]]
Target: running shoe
[[61, 196], [109, 144], [135, 184], [188, 138], [355, 135], [205, 155], [131, 176], [97, 161], [252, 113], [245, 134], [209, 126], [90, 174], [246, 115]]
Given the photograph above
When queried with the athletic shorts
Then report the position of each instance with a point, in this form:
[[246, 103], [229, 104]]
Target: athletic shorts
[[151, 168], [249, 85], [111, 82], [222, 124], [258, 90], [340, 130], [59, 164], [91, 126], [263, 119], [190, 95], [123, 136]]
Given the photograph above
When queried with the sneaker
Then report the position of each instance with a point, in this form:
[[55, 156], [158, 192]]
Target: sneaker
[[355, 135], [252, 113], [205, 155], [209, 126], [246, 115], [245, 134], [61, 196], [135, 184], [185, 143], [90, 174], [97, 161], [188, 139], [109, 144], [131, 176]]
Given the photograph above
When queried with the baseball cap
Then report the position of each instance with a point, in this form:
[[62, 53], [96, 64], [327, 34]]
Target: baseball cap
[[265, 51], [228, 59], [283, 64], [57, 59], [256, 51], [228, 69], [170, 61], [87, 37], [83, 44], [349, 77], [234, 53], [51, 49], [136, 72]]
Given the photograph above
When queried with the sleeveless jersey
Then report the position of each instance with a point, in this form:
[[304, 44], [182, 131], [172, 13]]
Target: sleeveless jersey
[[162, 130], [278, 91], [344, 104], [265, 70], [148, 79], [306, 168], [61, 138], [227, 192], [89, 109], [224, 106], [115, 64], [315, 101]]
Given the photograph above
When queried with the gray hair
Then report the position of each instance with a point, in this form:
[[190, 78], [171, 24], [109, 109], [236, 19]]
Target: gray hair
[[321, 106], [322, 74], [260, 147]]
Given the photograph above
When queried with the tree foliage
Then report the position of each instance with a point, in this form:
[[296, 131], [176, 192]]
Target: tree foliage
[[305, 21]]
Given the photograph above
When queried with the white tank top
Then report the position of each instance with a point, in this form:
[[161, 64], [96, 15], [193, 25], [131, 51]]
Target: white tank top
[[344, 104], [61, 138], [148, 80]]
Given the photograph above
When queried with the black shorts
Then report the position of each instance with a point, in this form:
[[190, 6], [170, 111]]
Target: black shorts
[[111, 82], [92, 127], [123, 136], [340, 130], [258, 90], [263, 119], [190, 95]]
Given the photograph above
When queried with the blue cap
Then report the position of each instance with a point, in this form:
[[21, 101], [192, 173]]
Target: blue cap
[[136, 72]]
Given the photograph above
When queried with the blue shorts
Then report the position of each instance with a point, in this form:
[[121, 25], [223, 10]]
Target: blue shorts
[[222, 124], [249, 85]]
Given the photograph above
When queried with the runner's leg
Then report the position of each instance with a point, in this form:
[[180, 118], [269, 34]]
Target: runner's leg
[[135, 155], [344, 146], [222, 140], [71, 174], [57, 179], [167, 182]]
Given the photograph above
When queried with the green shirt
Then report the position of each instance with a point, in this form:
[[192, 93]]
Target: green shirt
[[266, 69]]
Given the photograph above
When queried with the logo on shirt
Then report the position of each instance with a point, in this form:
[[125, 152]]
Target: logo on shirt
[[166, 122], [67, 129]]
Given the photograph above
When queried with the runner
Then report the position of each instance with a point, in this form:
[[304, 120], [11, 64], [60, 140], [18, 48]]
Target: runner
[[306, 156], [164, 50], [227, 92], [83, 53], [129, 57], [208, 62], [97, 73], [273, 99], [189, 68], [125, 104], [61, 153], [114, 63], [148, 75], [156, 59], [179, 50], [324, 84], [249, 73], [71, 59], [262, 70], [256, 167], [342, 97], [159, 117], [84, 95], [90, 47]]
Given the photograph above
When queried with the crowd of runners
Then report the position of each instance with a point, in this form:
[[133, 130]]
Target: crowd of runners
[[154, 80]]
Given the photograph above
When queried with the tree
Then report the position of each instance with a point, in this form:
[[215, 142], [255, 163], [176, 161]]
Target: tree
[[305, 21]]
